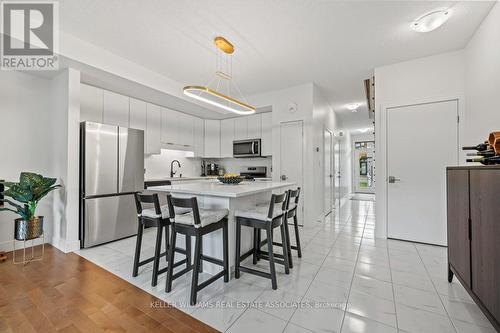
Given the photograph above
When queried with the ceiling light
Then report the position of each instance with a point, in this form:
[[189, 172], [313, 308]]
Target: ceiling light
[[431, 21], [222, 80], [353, 107]]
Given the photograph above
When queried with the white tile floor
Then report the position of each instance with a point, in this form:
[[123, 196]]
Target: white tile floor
[[347, 281]]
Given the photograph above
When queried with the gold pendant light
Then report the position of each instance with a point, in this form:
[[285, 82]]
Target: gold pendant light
[[223, 79]]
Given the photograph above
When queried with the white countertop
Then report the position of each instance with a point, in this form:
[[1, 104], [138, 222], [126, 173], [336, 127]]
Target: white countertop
[[217, 189], [176, 179]]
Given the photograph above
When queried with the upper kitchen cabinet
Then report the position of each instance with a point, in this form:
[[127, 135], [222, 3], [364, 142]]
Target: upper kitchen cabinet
[[91, 103], [153, 129], [226, 137], [198, 137], [240, 128], [115, 109], [267, 134], [254, 126], [169, 129], [138, 114], [248, 127], [177, 129], [212, 138]]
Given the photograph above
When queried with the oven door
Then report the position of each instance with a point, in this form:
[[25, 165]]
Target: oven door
[[246, 148]]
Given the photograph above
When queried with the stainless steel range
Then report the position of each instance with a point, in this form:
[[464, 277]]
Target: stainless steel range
[[255, 172]]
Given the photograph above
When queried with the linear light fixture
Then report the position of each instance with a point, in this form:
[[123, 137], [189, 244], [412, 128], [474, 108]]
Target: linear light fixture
[[223, 73]]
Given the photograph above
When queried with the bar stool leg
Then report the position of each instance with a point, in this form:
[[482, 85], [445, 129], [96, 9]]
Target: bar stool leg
[[225, 250], [259, 240], [188, 251], [167, 240], [288, 243], [201, 253], [196, 269], [255, 245], [284, 246], [272, 268], [138, 245], [170, 254], [238, 250], [297, 238], [156, 262]]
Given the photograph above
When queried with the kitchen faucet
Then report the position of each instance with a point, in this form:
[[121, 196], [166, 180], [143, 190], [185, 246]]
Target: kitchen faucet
[[172, 173]]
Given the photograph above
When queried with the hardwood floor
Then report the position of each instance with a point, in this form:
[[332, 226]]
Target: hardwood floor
[[66, 293]]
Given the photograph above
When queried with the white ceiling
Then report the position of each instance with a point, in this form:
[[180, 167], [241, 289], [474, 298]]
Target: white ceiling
[[279, 43]]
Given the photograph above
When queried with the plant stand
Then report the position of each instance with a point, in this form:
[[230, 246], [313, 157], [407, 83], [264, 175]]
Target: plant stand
[[31, 257]]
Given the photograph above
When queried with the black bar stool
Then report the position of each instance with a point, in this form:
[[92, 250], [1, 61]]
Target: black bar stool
[[262, 217], [292, 202], [157, 217], [197, 222]]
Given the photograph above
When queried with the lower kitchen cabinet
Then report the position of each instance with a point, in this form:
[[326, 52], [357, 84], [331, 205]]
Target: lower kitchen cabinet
[[474, 233]]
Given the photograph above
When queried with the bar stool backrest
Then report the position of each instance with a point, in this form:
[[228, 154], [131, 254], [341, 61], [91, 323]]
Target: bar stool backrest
[[147, 199], [276, 200], [191, 203], [293, 196]]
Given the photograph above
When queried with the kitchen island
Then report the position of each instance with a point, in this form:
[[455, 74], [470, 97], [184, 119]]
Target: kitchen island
[[213, 194]]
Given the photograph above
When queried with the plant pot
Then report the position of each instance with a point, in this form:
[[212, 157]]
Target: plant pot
[[27, 230]]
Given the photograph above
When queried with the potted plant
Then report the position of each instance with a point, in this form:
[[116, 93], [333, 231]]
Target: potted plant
[[26, 194]]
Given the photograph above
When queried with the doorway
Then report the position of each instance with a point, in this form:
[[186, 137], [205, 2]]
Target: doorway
[[422, 140], [364, 167], [291, 156]]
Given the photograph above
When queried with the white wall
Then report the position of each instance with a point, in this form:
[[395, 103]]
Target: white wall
[[421, 80], [158, 166], [279, 101], [26, 124], [482, 80]]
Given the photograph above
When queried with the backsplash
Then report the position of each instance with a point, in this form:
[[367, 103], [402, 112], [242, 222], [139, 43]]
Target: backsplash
[[158, 166], [234, 165]]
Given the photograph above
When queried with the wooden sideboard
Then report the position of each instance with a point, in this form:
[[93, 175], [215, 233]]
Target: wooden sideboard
[[474, 234]]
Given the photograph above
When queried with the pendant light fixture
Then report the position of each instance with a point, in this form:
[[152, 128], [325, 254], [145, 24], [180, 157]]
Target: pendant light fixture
[[222, 92]]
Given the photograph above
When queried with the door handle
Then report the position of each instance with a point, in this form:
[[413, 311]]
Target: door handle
[[393, 180], [284, 177]]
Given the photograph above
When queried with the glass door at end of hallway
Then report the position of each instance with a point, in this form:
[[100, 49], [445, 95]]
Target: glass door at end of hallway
[[364, 167]]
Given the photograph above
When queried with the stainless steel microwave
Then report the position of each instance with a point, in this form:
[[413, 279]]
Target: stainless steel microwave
[[246, 148]]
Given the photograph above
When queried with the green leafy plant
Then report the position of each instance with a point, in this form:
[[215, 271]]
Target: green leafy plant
[[27, 193]]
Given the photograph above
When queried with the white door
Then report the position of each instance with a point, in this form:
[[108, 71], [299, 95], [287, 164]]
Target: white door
[[328, 172], [421, 141], [336, 174], [291, 154]]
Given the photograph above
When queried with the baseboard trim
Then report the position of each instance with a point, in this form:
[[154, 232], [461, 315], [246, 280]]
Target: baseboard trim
[[8, 246], [65, 245]]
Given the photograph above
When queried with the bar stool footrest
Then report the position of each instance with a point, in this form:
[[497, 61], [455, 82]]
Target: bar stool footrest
[[255, 272]]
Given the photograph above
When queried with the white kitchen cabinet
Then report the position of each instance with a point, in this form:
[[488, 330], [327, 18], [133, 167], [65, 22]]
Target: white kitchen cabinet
[[212, 138], [254, 126], [138, 114], [169, 126], [91, 102], [226, 137], [240, 128], [199, 137], [153, 129], [266, 134], [115, 109], [185, 130]]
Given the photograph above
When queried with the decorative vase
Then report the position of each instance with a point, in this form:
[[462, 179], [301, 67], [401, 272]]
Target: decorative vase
[[28, 229]]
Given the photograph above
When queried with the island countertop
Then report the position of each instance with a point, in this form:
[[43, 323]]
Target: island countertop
[[217, 189]]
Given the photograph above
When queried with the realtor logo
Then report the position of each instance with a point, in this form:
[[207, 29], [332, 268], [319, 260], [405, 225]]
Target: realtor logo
[[29, 32]]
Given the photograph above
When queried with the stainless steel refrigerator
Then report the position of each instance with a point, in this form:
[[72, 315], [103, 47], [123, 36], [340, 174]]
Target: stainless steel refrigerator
[[111, 171]]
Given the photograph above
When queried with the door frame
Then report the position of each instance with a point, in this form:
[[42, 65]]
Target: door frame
[[381, 163], [332, 171]]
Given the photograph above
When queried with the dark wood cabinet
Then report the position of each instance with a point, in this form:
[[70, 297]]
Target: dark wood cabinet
[[474, 234]]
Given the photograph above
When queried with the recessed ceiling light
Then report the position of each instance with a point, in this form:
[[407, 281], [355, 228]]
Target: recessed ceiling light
[[353, 107], [431, 21]]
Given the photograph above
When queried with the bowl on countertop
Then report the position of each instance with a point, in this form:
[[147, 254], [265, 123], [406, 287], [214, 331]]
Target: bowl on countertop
[[230, 180]]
